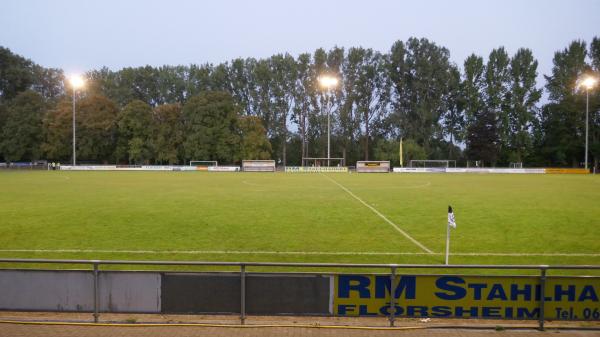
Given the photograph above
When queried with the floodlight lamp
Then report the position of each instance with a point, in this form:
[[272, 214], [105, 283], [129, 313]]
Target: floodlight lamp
[[589, 82], [328, 81], [76, 81]]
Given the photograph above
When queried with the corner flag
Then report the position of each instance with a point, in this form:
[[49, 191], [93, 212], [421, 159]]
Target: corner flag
[[451, 220], [451, 223]]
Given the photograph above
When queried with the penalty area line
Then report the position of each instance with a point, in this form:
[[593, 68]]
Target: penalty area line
[[249, 252], [380, 215]]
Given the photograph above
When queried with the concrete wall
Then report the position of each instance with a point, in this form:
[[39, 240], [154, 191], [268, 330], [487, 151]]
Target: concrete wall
[[152, 292], [74, 291], [46, 290], [130, 292]]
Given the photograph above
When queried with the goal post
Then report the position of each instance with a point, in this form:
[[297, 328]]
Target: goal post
[[445, 163], [203, 163]]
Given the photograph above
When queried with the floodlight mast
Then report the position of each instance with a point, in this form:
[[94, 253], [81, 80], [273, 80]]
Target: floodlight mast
[[327, 82], [589, 83], [76, 83]]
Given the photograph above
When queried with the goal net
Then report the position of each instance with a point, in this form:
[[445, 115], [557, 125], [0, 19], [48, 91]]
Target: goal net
[[203, 163], [432, 163]]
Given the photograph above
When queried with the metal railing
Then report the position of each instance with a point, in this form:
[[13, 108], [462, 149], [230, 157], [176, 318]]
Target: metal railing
[[393, 268]]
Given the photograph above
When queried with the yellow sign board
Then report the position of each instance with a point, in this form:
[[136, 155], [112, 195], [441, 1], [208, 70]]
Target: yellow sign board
[[566, 171], [566, 298]]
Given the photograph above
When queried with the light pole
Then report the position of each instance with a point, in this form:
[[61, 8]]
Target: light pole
[[328, 82], [76, 83], [589, 82]]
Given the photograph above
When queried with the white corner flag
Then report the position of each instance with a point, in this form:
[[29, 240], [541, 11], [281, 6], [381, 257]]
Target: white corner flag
[[451, 220], [451, 223]]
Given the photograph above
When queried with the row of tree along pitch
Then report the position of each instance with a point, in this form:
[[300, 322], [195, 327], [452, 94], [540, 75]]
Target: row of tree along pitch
[[273, 108]]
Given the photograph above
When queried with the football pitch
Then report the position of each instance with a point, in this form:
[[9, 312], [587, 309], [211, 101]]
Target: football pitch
[[278, 217]]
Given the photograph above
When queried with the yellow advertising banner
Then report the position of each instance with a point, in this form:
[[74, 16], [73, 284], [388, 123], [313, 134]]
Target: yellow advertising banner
[[565, 298], [566, 171]]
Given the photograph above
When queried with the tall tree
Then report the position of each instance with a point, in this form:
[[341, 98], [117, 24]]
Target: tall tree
[[135, 128], [199, 79], [108, 83], [563, 120], [497, 86], [524, 96], [349, 117], [96, 128], [454, 116], [283, 80], [481, 126], [304, 98], [48, 82], [473, 86], [16, 74], [168, 135], [58, 131], [242, 85], [219, 77], [22, 134], [171, 86], [420, 88], [365, 83], [254, 143], [262, 96], [210, 127]]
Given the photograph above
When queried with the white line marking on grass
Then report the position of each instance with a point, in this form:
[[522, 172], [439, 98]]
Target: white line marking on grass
[[249, 252], [381, 216], [528, 254], [231, 252]]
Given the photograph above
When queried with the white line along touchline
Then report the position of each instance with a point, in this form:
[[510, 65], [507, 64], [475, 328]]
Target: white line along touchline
[[381, 216], [249, 252]]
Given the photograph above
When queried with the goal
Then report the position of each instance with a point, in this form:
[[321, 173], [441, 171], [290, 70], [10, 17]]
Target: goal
[[203, 163], [432, 163]]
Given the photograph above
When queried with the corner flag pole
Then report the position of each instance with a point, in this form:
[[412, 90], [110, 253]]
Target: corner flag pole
[[447, 242], [451, 223]]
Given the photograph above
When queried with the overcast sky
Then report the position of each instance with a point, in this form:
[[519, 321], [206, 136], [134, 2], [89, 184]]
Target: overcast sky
[[82, 35]]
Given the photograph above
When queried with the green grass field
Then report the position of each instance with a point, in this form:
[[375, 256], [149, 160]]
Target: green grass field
[[502, 219]]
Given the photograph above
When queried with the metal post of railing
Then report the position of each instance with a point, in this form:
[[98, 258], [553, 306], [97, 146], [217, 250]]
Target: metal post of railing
[[243, 293], [542, 296], [96, 292], [392, 296]]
